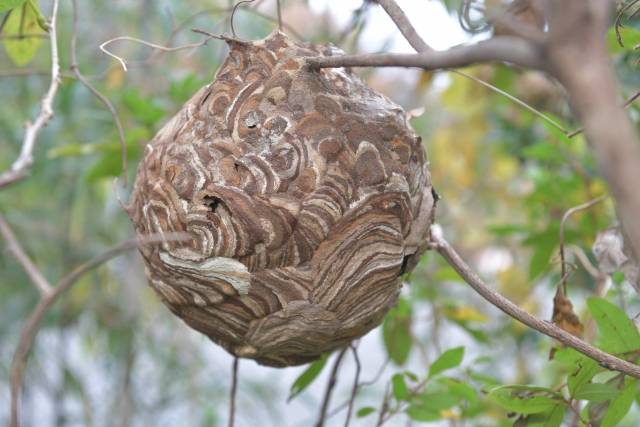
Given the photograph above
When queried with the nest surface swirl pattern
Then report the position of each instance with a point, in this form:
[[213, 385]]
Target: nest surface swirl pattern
[[306, 195]]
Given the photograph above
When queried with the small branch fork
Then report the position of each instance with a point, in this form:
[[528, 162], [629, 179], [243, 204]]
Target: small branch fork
[[49, 294], [605, 359], [19, 170]]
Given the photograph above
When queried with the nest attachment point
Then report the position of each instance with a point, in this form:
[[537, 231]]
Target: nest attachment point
[[306, 195]]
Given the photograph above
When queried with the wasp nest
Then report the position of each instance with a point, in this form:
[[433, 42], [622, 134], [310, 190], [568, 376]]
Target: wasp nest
[[305, 193]]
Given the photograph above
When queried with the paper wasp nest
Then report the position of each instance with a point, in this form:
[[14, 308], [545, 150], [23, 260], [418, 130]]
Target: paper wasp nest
[[305, 193]]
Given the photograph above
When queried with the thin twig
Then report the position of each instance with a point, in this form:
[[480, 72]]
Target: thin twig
[[584, 260], [372, 381], [28, 266], [279, 15], [562, 224], [385, 405], [233, 12], [46, 301], [625, 104], [289, 28], [156, 55], [330, 385], [514, 99], [528, 319], [618, 24], [208, 34], [151, 45], [512, 22], [232, 397], [356, 386], [18, 170], [100, 96]]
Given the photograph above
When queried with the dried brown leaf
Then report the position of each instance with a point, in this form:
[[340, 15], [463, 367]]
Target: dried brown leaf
[[564, 317]]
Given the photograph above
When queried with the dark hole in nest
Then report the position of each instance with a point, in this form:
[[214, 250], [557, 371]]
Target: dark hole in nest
[[212, 202], [405, 261], [251, 126], [235, 165], [205, 98]]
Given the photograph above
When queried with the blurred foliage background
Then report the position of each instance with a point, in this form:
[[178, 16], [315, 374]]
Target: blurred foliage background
[[109, 353]]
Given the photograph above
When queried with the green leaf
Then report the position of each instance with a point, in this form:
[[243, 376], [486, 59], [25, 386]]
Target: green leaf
[[610, 412], [597, 392], [436, 402], [621, 405], [133, 137], [400, 390], [477, 334], [553, 418], [363, 412], [144, 110], [307, 377], [461, 389], [630, 37], [447, 360], [542, 151], [615, 325], [418, 413], [22, 20], [446, 273], [10, 4], [568, 356], [588, 368], [525, 399], [396, 332], [554, 131]]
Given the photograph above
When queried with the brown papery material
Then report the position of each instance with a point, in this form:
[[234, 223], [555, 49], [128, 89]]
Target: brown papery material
[[306, 195]]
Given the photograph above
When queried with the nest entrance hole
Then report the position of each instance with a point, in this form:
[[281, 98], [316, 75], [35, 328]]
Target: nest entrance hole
[[213, 202]]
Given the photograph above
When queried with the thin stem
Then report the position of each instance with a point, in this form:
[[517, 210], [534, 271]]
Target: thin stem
[[28, 266], [233, 12], [514, 99], [95, 92], [356, 386], [625, 104], [151, 45], [385, 406], [330, 385], [234, 386], [562, 225]]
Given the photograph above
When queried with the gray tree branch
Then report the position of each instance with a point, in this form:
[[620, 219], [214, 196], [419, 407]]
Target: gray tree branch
[[549, 329]]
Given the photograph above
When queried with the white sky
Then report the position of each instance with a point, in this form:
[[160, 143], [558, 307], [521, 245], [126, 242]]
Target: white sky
[[430, 19]]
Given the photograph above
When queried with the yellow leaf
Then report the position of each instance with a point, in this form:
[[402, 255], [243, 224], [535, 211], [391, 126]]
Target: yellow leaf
[[22, 21], [449, 414], [466, 313], [115, 78]]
